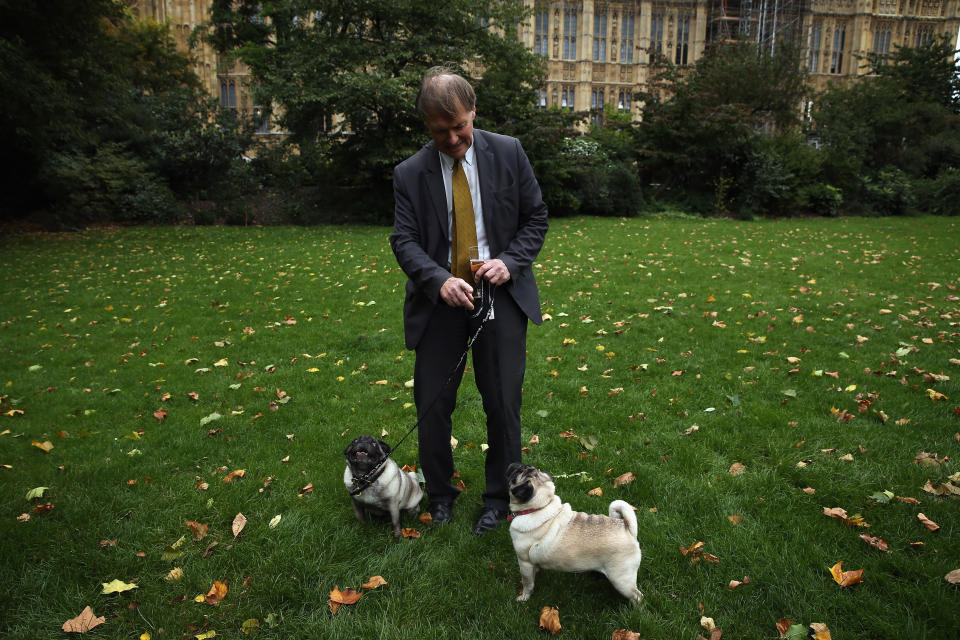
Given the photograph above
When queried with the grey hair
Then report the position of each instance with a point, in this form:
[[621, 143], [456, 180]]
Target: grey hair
[[444, 92]]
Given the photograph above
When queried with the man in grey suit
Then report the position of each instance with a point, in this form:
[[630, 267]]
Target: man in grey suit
[[510, 220]]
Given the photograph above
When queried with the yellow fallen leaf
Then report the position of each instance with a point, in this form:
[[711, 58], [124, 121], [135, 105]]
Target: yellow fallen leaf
[[44, 446], [845, 578], [222, 362], [820, 631], [117, 586], [84, 622], [175, 574], [598, 492]]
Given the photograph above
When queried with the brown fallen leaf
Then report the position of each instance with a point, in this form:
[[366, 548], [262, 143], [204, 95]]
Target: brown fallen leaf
[[199, 529], [927, 522], [626, 478], [373, 583], [820, 631], [873, 541], [953, 577], [598, 492], [84, 622], [624, 634], [550, 620], [736, 519], [945, 489], [409, 533], [782, 625], [736, 469], [347, 596], [845, 578], [160, 415], [216, 594], [426, 518], [238, 473], [307, 489]]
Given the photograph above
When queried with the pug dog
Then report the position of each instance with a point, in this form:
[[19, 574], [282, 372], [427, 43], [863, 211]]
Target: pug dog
[[549, 535], [388, 492]]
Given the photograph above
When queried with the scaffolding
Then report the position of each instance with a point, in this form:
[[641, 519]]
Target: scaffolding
[[767, 22]]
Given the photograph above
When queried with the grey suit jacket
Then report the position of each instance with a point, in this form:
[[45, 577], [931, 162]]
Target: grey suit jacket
[[514, 215]]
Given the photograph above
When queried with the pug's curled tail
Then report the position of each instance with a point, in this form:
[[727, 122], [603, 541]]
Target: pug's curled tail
[[622, 510]]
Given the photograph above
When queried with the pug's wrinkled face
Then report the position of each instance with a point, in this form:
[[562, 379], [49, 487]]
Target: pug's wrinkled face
[[524, 481], [365, 452]]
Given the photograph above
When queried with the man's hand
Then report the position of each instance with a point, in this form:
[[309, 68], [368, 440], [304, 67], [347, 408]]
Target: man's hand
[[457, 293], [494, 271]]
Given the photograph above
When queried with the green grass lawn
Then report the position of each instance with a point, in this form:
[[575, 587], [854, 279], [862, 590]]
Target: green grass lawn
[[821, 355]]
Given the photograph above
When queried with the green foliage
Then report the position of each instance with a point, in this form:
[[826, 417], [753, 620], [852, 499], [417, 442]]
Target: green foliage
[[344, 76], [892, 133], [89, 83]]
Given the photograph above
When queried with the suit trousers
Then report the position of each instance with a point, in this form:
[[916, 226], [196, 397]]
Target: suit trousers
[[499, 363]]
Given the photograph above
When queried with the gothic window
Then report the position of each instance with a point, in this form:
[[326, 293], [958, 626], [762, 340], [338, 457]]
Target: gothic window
[[596, 105], [683, 40], [569, 99], [600, 36], [570, 34], [656, 33], [261, 121], [881, 43], [924, 36], [624, 103], [228, 97], [542, 98], [836, 55], [541, 37], [816, 36], [627, 25]]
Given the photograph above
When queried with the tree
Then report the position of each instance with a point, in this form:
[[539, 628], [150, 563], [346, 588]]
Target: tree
[[106, 119], [342, 76], [894, 135], [701, 125]]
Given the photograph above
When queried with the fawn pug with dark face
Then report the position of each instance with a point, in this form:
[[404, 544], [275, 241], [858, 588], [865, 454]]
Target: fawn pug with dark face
[[379, 491], [549, 535]]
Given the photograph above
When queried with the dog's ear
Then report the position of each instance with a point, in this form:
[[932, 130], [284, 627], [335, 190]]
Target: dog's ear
[[347, 450], [548, 475], [514, 469], [386, 448]]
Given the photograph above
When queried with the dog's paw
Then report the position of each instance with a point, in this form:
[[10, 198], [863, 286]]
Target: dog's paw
[[523, 597]]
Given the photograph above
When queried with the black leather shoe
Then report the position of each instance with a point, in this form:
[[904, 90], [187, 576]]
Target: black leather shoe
[[441, 512], [489, 520]]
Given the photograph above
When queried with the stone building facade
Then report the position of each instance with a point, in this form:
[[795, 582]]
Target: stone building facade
[[599, 51]]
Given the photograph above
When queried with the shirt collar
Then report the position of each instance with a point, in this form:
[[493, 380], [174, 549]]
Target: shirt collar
[[448, 161]]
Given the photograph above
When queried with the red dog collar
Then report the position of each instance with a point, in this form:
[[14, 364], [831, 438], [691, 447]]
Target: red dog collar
[[521, 513]]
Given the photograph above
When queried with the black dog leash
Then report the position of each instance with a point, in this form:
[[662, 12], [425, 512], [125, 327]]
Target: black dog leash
[[360, 483]]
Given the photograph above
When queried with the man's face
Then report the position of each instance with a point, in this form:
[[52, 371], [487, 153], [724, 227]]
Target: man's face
[[453, 136]]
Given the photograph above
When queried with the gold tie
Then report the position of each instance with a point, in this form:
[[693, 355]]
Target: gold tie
[[464, 232]]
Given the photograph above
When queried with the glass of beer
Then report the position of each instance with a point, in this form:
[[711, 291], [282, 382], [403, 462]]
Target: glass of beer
[[475, 261]]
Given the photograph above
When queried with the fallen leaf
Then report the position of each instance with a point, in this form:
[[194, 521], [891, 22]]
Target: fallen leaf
[[873, 541], [337, 597], [927, 522], [736, 469], [239, 522], [820, 631], [373, 583], [44, 446], [598, 492], [550, 620], [237, 473], [426, 518], [36, 493], [409, 533], [175, 574], [84, 622], [307, 489], [217, 592], [845, 578], [735, 519], [953, 577], [199, 529], [626, 478], [274, 521], [160, 415], [249, 626], [692, 429], [117, 586], [624, 634], [707, 624]]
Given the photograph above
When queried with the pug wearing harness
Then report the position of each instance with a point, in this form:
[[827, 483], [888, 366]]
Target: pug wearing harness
[[388, 491], [549, 535]]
